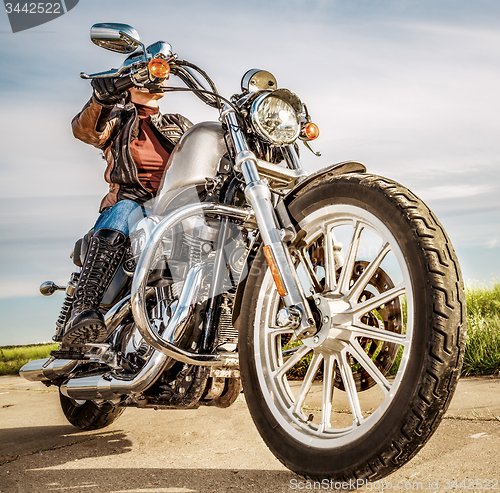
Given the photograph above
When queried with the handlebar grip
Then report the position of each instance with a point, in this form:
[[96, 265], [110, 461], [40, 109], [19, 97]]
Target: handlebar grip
[[124, 83]]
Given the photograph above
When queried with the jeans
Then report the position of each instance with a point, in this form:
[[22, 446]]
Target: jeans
[[120, 216]]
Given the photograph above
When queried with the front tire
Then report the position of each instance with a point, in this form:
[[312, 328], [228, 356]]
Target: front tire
[[397, 303]]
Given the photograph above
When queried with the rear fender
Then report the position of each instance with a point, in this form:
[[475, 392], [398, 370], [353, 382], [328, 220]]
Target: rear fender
[[323, 174]]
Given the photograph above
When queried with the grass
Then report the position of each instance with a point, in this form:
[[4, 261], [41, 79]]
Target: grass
[[482, 353], [12, 358]]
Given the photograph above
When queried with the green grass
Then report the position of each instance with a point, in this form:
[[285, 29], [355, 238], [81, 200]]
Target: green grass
[[12, 358], [482, 353]]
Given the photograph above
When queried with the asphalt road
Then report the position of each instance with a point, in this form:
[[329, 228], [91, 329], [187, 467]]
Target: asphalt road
[[217, 450]]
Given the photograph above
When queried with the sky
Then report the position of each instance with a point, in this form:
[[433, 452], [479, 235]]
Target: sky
[[410, 88]]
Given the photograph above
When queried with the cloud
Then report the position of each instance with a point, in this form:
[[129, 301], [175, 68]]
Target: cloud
[[445, 192], [492, 243], [37, 237]]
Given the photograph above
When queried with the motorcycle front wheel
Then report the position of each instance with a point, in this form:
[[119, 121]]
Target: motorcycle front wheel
[[361, 397]]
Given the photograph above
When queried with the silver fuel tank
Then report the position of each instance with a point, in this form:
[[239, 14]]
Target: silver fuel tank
[[196, 157]]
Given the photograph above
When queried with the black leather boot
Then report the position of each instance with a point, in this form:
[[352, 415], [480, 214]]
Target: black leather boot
[[105, 253]]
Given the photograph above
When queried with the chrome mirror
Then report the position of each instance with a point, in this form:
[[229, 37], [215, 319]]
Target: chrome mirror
[[121, 38], [160, 48]]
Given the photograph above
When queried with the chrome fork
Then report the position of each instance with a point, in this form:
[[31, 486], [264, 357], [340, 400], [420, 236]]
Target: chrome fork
[[259, 197]]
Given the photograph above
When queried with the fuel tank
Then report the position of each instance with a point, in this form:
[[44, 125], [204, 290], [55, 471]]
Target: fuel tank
[[196, 157]]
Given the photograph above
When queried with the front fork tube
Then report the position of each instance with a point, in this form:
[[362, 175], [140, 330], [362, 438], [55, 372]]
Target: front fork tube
[[259, 197]]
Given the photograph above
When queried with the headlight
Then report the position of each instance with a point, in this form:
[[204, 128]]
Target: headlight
[[275, 119]]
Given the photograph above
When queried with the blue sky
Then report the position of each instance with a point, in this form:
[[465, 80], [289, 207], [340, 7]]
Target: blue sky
[[410, 88]]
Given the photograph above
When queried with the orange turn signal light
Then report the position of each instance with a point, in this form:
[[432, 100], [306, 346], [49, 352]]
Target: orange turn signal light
[[309, 131], [274, 271], [159, 68]]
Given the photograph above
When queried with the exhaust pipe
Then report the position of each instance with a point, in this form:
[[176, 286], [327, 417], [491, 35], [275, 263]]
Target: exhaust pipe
[[112, 385], [36, 371]]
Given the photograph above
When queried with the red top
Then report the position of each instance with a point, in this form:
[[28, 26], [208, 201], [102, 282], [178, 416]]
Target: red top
[[147, 151]]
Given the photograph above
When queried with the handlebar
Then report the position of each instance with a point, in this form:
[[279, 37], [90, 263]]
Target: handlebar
[[179, 68], [124, 83]]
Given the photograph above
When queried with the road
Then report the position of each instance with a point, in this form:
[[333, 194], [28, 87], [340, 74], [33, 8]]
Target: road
[[214, 450]]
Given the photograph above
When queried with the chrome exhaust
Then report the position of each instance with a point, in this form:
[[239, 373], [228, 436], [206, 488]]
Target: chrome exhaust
[[112, 385], [36, 371]]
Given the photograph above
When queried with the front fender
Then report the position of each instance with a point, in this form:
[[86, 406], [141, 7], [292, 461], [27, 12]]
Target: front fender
[[325, 174], [284, 219]]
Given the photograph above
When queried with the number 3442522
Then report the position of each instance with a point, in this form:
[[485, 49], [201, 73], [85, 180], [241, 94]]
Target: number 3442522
[[33, 8]]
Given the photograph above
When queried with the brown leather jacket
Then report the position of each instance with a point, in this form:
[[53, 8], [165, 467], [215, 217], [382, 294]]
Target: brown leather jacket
[[111, 129]]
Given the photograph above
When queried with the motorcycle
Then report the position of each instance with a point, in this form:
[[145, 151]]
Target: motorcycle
[[334, 299]]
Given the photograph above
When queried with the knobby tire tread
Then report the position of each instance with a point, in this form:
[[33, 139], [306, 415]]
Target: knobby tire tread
[[426, 226]]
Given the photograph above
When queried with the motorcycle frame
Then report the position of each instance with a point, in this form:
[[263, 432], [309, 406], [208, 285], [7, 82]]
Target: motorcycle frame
[[274, 230], [272, 234], [295, 179], [112, 385], [165, 344]]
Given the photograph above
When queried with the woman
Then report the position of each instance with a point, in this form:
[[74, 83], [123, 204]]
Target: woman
[[137, 141]]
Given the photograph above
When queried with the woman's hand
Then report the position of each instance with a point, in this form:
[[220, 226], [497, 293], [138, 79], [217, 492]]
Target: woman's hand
[[106, 92]]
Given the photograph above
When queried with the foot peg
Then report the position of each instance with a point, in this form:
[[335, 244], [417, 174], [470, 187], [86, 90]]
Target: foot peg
[[48, 288], [69, 355]]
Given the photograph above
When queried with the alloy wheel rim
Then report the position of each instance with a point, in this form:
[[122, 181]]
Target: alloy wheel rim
[[340, 339]]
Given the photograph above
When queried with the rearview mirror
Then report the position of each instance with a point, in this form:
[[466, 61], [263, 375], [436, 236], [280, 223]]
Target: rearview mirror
[[121, 38]]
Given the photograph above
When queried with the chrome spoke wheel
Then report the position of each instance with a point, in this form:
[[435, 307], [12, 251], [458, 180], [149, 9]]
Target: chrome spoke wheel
[[337, 384]]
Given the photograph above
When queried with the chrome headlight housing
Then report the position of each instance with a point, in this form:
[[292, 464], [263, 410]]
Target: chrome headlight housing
[[276, 117]]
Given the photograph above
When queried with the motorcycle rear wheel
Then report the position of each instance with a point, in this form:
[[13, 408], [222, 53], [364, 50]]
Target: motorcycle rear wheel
[[87, 415], [332, 410]]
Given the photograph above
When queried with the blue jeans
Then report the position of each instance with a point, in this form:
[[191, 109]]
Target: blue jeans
[[120, 216]]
